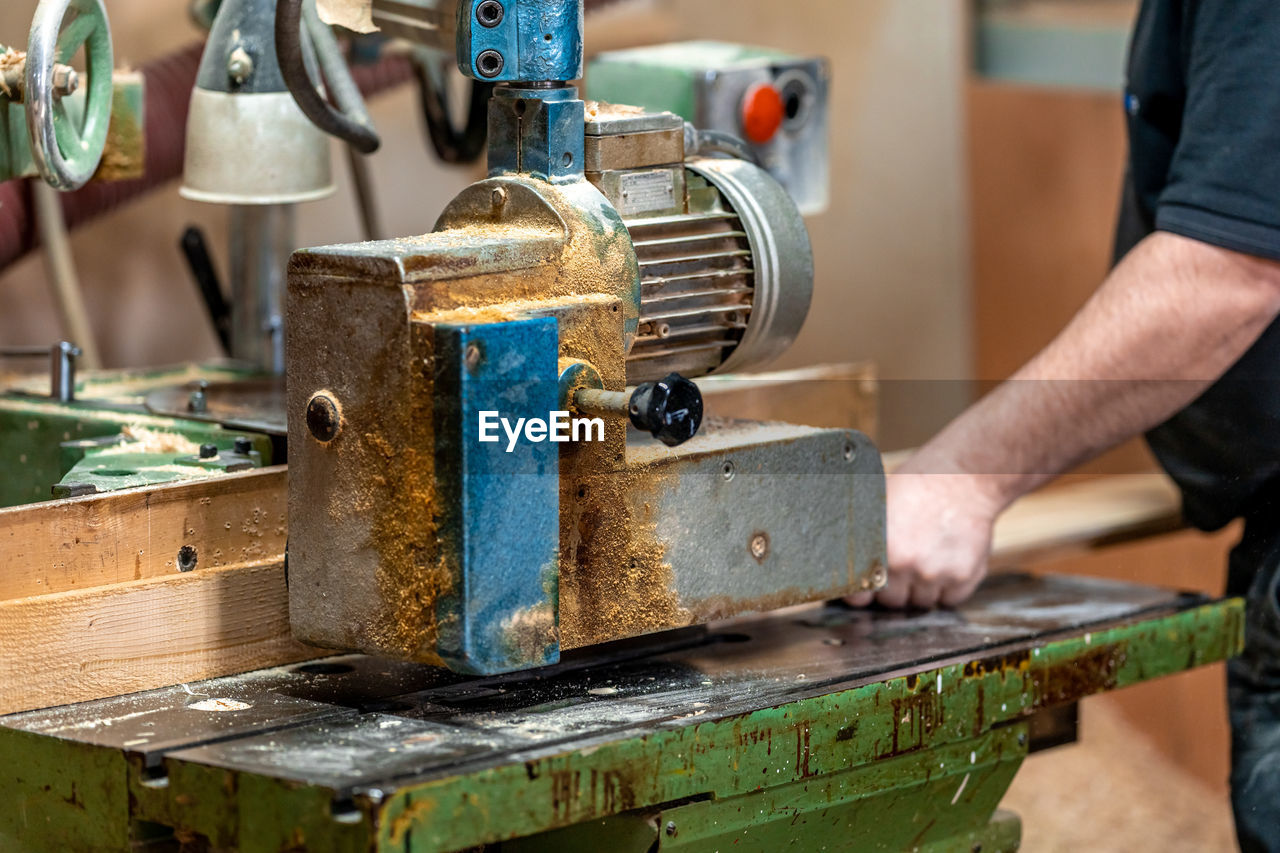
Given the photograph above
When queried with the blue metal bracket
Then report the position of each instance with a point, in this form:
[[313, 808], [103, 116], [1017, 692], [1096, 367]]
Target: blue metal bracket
[[539, 132], [499, 500], [537, 40]]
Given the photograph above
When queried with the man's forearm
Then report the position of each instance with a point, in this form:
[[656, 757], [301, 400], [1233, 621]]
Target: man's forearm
[[1168, 322]]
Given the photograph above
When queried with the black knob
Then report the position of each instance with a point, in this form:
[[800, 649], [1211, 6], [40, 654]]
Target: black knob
[[670, 409], [208, 451], [244, 446]]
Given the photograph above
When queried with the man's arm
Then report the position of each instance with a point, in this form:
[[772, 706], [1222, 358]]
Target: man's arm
[[1170, 320]]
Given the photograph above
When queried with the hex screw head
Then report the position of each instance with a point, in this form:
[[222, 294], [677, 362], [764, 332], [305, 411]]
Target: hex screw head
[[208, 451], [472, 356], [879, 577], [198, 402], [490, 13], [490, 64], [239, 66], [324, 418], [759, 546], [243, 446], [65, 80], [671, 828]]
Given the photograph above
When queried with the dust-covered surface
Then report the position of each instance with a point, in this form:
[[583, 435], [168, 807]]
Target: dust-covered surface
[[354, 722]]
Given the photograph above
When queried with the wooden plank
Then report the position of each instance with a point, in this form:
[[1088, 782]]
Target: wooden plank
[[831, 396], [1081, 516], [92, 643], [135, 534]]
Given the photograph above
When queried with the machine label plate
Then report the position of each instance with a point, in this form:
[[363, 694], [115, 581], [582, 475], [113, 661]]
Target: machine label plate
[[644, 192]]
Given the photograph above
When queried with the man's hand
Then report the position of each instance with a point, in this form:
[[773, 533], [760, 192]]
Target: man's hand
[[1170, 320], [939, 538]]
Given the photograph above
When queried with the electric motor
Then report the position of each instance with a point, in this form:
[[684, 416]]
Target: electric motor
[[725, 286], [726, 267]]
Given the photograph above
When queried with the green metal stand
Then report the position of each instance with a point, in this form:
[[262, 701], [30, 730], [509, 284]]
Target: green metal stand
[[815, 729]]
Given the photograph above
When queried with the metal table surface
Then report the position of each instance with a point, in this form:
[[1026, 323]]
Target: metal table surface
[[367, 737]]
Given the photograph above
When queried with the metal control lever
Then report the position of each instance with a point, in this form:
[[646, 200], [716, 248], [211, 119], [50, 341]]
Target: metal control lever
[[670, 409]]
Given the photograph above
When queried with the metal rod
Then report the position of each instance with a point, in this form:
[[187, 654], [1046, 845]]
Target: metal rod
[[262, 238], [62, 272], [603, 404], [62, 371], [366, 201], [62, 366]]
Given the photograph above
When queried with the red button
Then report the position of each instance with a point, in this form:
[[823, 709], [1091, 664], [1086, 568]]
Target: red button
[[762, 113]]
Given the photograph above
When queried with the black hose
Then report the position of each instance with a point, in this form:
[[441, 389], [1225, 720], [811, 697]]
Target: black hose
[[305, 94], [452, 145]]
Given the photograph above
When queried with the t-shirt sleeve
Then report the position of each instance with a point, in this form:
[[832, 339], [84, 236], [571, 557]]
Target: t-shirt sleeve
[[1224, 181]]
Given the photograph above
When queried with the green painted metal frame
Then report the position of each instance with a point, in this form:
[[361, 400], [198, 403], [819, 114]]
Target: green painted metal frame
[[33, 429], [918, 759]]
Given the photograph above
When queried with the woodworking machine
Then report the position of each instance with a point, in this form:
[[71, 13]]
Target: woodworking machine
[[598, 270]]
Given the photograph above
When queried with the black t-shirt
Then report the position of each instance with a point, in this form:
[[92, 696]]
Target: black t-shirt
[[1203, 102]]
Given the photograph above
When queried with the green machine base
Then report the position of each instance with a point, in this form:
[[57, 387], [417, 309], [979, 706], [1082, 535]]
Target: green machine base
[[815, 728]]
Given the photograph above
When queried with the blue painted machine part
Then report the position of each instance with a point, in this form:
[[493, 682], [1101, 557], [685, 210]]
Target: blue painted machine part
[[500, 510], [538, 40], [539, 132]]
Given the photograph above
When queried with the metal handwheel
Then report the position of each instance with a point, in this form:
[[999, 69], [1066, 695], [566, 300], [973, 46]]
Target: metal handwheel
[[67, 152]]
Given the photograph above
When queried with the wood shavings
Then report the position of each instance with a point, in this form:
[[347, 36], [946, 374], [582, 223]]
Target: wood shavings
[[139, 439]]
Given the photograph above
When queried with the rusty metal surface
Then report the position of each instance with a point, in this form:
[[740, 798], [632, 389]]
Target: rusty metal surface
[[356, 723], [744, 518]]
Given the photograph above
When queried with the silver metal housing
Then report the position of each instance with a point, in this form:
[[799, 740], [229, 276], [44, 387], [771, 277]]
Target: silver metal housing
[[782, 258], [253, 149]]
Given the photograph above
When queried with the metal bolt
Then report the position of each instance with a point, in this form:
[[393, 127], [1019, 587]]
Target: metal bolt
[[490, 64], [472, 357], [728, 471], [324, 418], [1022, 739], [879, 577], [490, 13], [198, 402], [65, 81], [759, 546], [850, 452], [239, 66], [499, 198], [243, 446], [187, 558], [671, 828], [208, 451]]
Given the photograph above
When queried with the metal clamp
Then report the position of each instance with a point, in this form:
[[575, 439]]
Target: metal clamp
[[67, 152]]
